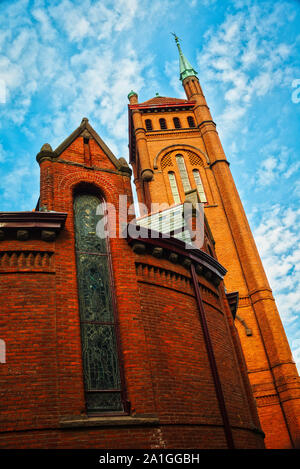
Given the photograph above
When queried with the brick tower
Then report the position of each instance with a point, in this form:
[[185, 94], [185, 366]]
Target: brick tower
[[174, 147]]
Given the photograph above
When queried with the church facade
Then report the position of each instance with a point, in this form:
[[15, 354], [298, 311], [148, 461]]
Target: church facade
[[119, 337]]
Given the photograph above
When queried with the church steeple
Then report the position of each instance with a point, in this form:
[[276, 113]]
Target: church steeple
[[185, 68], [175, 150]]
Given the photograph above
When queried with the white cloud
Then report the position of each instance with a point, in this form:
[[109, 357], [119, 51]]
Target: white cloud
[[208, 3], [267, 171], [17, 185], [278, 238], [172, 72], [94, 19], [246, 58], [296, 351], [279, 165], [78, 60], [47, 31], [90, 81], [2, 154]]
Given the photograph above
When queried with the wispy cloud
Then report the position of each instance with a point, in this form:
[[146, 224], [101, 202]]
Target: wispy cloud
[[2, 154], [20, 186], [278, 240], [62, 60], [246, 58], [80, 55], [278, 166]]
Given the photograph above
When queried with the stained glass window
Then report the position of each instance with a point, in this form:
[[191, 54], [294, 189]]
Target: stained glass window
[[98, 326], [199, 185], [174, 188], [183, 173]]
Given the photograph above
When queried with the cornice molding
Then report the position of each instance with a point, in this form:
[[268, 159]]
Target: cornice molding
[[21, 225], [150, 242]]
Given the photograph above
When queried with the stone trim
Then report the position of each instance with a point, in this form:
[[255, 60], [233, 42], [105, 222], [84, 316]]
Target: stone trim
[[123, 170], [22, 225], [219, 161], [109, 421], [244, 324], [205, 265]]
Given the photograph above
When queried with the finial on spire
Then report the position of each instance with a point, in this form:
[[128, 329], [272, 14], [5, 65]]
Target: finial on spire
[[176, 37], [186, 70]]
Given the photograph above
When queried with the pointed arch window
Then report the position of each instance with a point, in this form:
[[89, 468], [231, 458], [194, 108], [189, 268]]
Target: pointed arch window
[[162, 123], [148, 123], [174, 187], [183, 173], [177, 123], [191, 121], [102, 380], [199, 185]]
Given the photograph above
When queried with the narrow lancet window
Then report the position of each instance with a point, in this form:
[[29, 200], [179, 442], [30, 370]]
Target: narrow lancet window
[[183, 173], [97, 317], [174, 188], [199, 185]]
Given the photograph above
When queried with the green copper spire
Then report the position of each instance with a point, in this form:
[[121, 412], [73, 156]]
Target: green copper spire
[[132, 93], [186, 70]]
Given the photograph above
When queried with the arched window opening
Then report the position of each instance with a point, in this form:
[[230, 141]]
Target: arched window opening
[[174, 188], [177, 123], [183, 173], [148, 123], [162, 123], [101, 371], [199, 185], [191, 121]]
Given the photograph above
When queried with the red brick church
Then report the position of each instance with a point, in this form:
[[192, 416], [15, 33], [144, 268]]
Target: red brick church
[[144, 337]]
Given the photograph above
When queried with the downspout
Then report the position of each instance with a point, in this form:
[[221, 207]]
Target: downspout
[[212, 362]]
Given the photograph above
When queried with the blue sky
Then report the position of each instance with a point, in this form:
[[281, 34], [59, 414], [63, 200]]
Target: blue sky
[[64, 60]]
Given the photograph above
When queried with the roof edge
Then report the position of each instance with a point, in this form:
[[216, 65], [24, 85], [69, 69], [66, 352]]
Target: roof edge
[[85, 125]]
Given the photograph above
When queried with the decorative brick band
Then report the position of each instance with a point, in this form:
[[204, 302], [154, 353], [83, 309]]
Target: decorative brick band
[[174, 250], [270, 399], [164, 276], [244, 301], [26, 261], [167, 278]]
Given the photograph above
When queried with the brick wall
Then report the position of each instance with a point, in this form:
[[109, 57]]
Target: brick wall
[[167, 376]]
